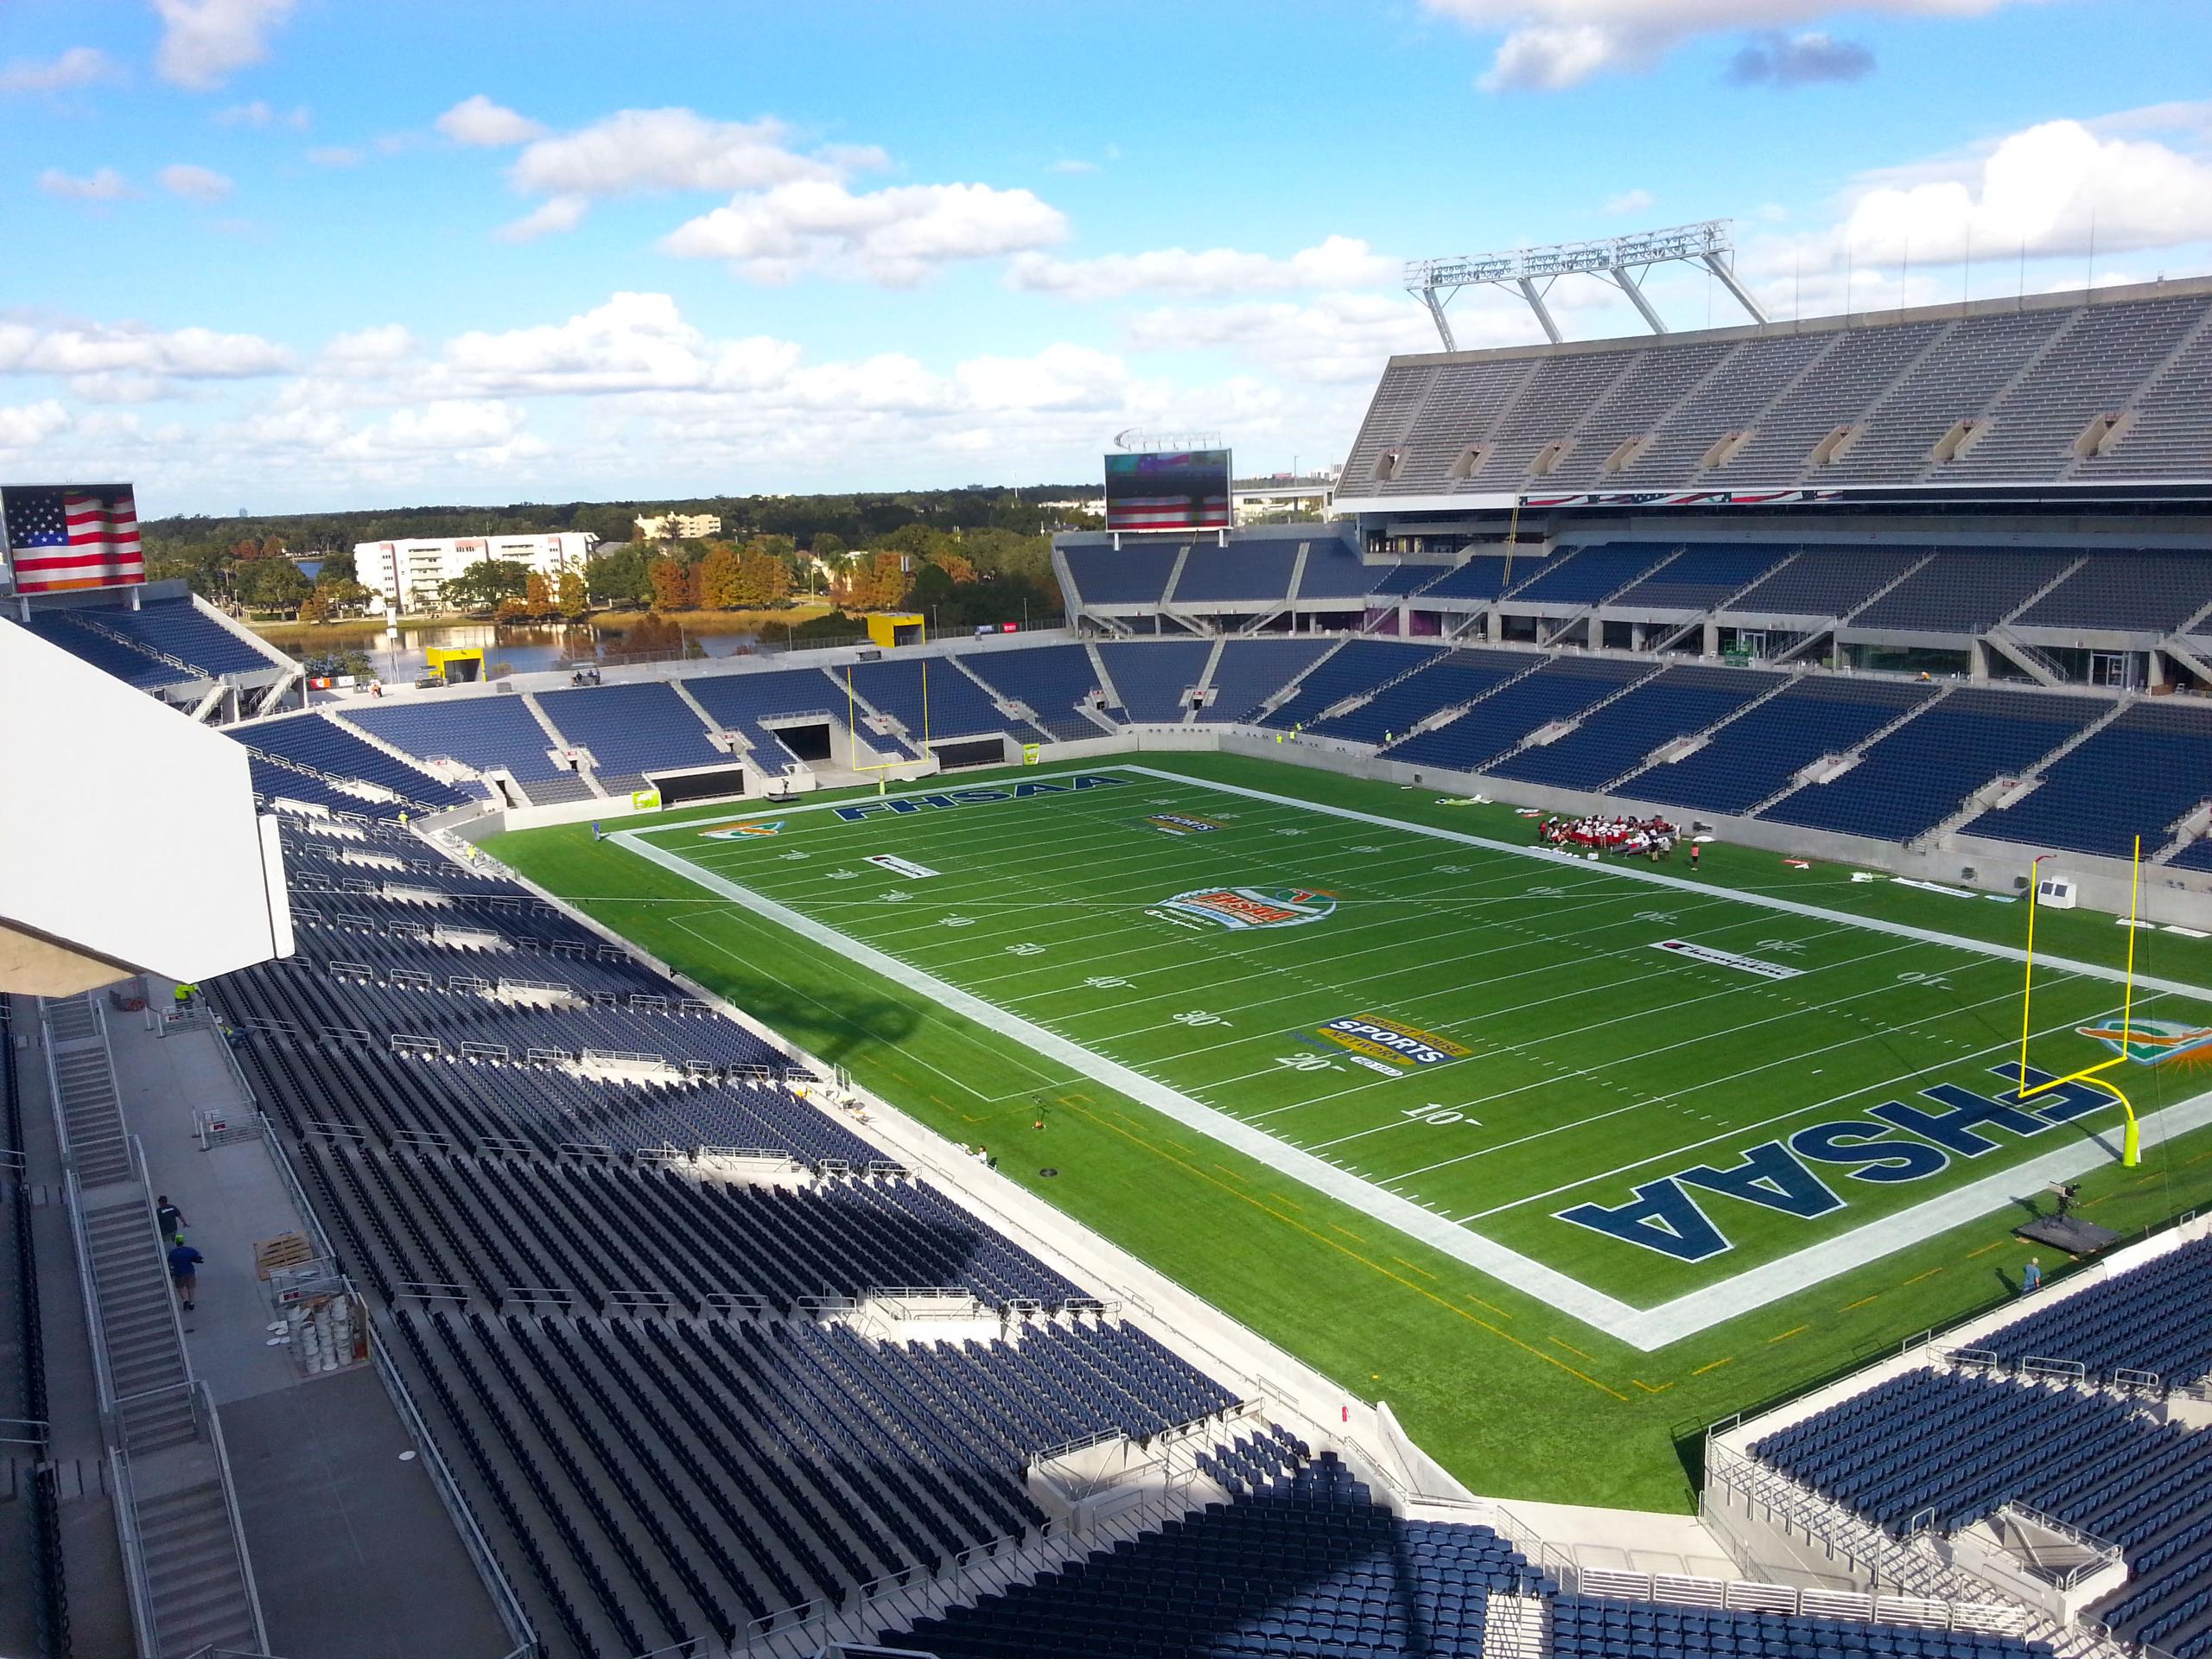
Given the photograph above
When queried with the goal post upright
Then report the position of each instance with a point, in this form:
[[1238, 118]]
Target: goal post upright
[[2131, 1134]]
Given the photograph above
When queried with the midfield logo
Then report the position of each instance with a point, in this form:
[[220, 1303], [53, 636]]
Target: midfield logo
[[1248, 907], [1384, 1045], [1181, 823]]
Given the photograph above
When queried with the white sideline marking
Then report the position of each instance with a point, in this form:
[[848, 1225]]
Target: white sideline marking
[[1643, 1329]]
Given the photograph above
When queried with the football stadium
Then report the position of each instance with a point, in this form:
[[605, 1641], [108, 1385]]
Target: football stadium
[[1599, 1053]]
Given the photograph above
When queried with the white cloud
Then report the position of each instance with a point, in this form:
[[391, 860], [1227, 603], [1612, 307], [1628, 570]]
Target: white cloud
[[1551, 44], [27, 425], [204, 42], [80, 66], [105, 185], [484, 432], [554, 214], [637, 150], [1072, 165], [2050, 189], [370, 351], [895, 236], [336, 156], [260, 113], [480, 123], [1337, 262], [101, 348], [1336, 339], [121, 387], [200, 184], [1629, 202]]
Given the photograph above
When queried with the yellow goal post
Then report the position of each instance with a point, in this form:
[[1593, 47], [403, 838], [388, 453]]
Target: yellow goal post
[[2131, 1139]]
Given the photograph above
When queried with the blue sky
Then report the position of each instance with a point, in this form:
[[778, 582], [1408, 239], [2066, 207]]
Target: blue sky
[[287, 254]]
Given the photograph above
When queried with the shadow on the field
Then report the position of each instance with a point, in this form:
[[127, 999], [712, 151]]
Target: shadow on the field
[[837, 1026]]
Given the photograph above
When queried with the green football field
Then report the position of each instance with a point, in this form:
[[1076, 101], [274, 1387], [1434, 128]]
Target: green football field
[[1646, 1111]]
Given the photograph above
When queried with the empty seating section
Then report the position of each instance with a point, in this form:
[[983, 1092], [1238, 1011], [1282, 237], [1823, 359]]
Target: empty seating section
[[934, 698], [1956, 381], [1729, 402], [740, 702], [1923, 772], [1134, 574], [484, 732], [1964, 589], [1241, 572], [2036, 377], [1827, 580], [311, 741], [1698, 578], [1953, 1446], [1632, 410], [1395, 580], [2150, 1319], [1495, 724], [1591, 1627], [330, 1085], [1587, 577], [273, 783], [2094, 369], [1455, 678], [1152, 678], [631, 730], [1751, 758], [177, 627], [1303, 1565], [144, 647], [1251, 670], [2153, 593], [2141, 776], [113, 657], [1353, 668], [1334, 570], [1622, 734], [1487, 574], [1054, 680]]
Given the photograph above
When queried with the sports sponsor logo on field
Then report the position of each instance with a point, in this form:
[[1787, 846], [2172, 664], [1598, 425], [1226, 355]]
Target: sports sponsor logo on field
[[979, 796], [2153, 1042], [1385, 1044], [1894, 1143], [1250, 907], [1181, 823], [1706, 953], [742, 831], [899, 866]]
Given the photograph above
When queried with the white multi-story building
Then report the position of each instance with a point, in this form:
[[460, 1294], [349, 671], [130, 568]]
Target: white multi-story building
[[680, 526], [409, 574]]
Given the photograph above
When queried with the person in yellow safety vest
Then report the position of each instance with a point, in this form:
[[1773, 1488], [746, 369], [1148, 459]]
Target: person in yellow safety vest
[[184, 993]]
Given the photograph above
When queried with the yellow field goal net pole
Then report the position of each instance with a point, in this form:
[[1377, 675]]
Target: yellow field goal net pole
[[2130, 1137], [852, 725]]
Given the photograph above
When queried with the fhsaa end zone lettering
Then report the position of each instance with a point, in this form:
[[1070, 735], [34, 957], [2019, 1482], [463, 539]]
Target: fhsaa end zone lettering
[[977, 796], [1896, 1143]]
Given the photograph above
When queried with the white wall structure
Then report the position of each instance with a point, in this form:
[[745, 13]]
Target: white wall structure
[[129, 841], [410, 572]]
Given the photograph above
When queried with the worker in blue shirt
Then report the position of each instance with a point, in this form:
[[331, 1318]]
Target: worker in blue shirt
[[184, 1270]]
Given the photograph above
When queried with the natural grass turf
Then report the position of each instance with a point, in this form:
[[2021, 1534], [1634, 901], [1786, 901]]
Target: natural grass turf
[[1515, 1399]]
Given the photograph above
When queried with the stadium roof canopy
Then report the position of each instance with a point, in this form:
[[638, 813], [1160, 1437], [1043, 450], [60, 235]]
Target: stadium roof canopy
[[2103, 393]]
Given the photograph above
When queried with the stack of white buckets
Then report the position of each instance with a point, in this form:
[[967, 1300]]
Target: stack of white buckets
[[323, 1333]]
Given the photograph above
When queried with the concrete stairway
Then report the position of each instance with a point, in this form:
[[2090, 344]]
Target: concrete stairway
[[92, 1112], [199, 1595], [138, 1326]]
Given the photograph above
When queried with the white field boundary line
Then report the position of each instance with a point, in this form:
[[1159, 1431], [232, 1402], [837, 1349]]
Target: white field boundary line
[[1678, 884], [1646, 1329], [1570, 1295]]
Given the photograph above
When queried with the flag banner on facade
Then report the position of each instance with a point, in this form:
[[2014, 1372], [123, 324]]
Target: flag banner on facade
[[64, 538]]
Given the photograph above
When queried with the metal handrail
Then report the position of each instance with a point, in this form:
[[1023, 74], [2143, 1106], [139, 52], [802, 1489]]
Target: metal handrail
[[204, 1413]]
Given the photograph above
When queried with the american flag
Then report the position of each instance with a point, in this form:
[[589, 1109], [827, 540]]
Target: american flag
[[72, 539]]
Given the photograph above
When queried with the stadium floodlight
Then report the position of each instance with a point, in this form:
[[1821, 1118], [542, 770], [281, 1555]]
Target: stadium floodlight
[[1622, 260], [1141, 442]]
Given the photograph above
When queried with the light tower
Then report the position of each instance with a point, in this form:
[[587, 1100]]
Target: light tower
[[1622, 260]]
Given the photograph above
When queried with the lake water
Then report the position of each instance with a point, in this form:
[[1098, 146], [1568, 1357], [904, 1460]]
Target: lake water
[[526, 650]]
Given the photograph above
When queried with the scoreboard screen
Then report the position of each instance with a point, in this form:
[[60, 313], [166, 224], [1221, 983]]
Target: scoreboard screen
[[1176, 490]]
